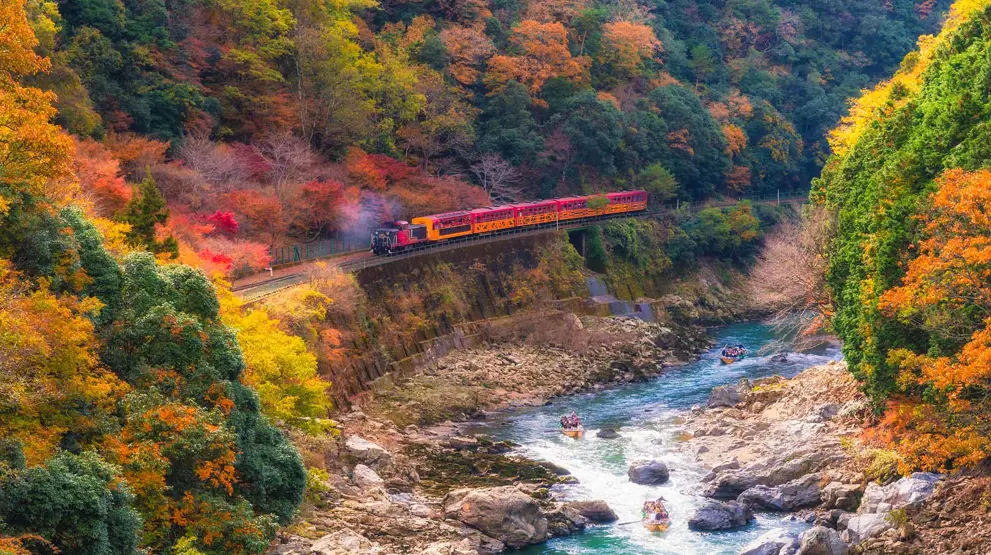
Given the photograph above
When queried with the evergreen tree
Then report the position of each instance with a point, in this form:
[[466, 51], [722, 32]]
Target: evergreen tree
[[146, 210]]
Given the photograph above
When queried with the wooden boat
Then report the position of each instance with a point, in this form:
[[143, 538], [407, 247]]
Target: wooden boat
[[574, 432], [656, 525]]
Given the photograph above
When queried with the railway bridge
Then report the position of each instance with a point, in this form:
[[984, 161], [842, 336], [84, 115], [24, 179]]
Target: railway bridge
[[290, 263]]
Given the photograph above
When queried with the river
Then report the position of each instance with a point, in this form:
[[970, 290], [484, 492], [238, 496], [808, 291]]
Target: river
[[647, 417]]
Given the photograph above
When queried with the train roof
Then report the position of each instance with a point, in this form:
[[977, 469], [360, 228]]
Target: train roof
[[448, 214]]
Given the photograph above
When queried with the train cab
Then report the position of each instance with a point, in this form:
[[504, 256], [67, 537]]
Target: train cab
[[397, 236]]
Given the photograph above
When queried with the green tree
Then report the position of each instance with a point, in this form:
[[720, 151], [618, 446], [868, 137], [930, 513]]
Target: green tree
[[144, 213], [658, 181], [507, 126], [79, 503], [595, 131]]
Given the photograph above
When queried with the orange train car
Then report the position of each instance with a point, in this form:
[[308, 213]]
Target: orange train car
[[446, 226]]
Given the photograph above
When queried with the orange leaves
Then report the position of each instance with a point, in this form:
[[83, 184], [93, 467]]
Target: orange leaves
[[50, 375], [946, 281], [738, 178], [680, 139], [926, 440], [545, 55], [627, 45], [469, 48], [100, 176], [17, 42], [736, 139]]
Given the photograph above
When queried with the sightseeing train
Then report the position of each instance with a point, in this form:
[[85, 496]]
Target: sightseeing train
[[397, 236]]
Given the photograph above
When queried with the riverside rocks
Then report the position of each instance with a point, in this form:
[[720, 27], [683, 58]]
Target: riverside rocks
[[775, 542], [716, 515], [607, 433], [365, 451], [790, 496], [463, 383], [648, 472], [595, 511], [822, 541], [901, 493], [504, 513]]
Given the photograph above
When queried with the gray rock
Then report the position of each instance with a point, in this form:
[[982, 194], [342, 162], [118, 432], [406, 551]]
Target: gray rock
[[607, 433], [345, 542], [595, 511], [864, 526], [504, 513], [837, 495], [733, 464], [793, 495], [822, 541], [773, 471], [724, 396], [771, 543], [366, 478], [648, 472], [902, 493], [367, 452], [715, 515], [555, 469]]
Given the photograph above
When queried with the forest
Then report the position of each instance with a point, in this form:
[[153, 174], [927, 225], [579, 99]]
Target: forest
[[909, 255], [152, 149], [282, 121]]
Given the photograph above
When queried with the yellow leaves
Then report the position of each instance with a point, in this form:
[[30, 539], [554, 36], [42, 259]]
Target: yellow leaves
[[49, 371], [279, 367], [17, 42], [469, 48], [33, 151], [628, 44], [736, 139]]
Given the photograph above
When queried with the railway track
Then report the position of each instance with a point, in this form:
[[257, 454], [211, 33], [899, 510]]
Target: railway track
[[257, 291]]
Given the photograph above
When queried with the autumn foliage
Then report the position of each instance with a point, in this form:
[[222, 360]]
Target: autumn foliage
[[910, 256]]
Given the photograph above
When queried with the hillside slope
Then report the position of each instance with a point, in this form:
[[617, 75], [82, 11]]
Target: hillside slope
[[909, 268]]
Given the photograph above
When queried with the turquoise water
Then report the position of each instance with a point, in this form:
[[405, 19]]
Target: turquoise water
[[647, 417]]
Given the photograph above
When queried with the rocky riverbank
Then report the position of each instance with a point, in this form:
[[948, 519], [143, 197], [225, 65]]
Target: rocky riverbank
[[402, 479], [789, 446], [544, 360]]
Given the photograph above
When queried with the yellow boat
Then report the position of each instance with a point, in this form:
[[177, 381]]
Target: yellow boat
[[656, 525], [728, 360], [573, 432]]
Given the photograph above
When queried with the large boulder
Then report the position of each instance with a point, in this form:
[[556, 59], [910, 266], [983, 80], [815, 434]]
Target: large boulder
[[837, 495], [715, 515], [504, 513], [726, 396], [906, 491], [648, 472], [366, 452], [595, 511], [793, 495], [366, 478], [822, 541], [864, 526], [773, 471], [607, 433], [345, 542], [771, 543]]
